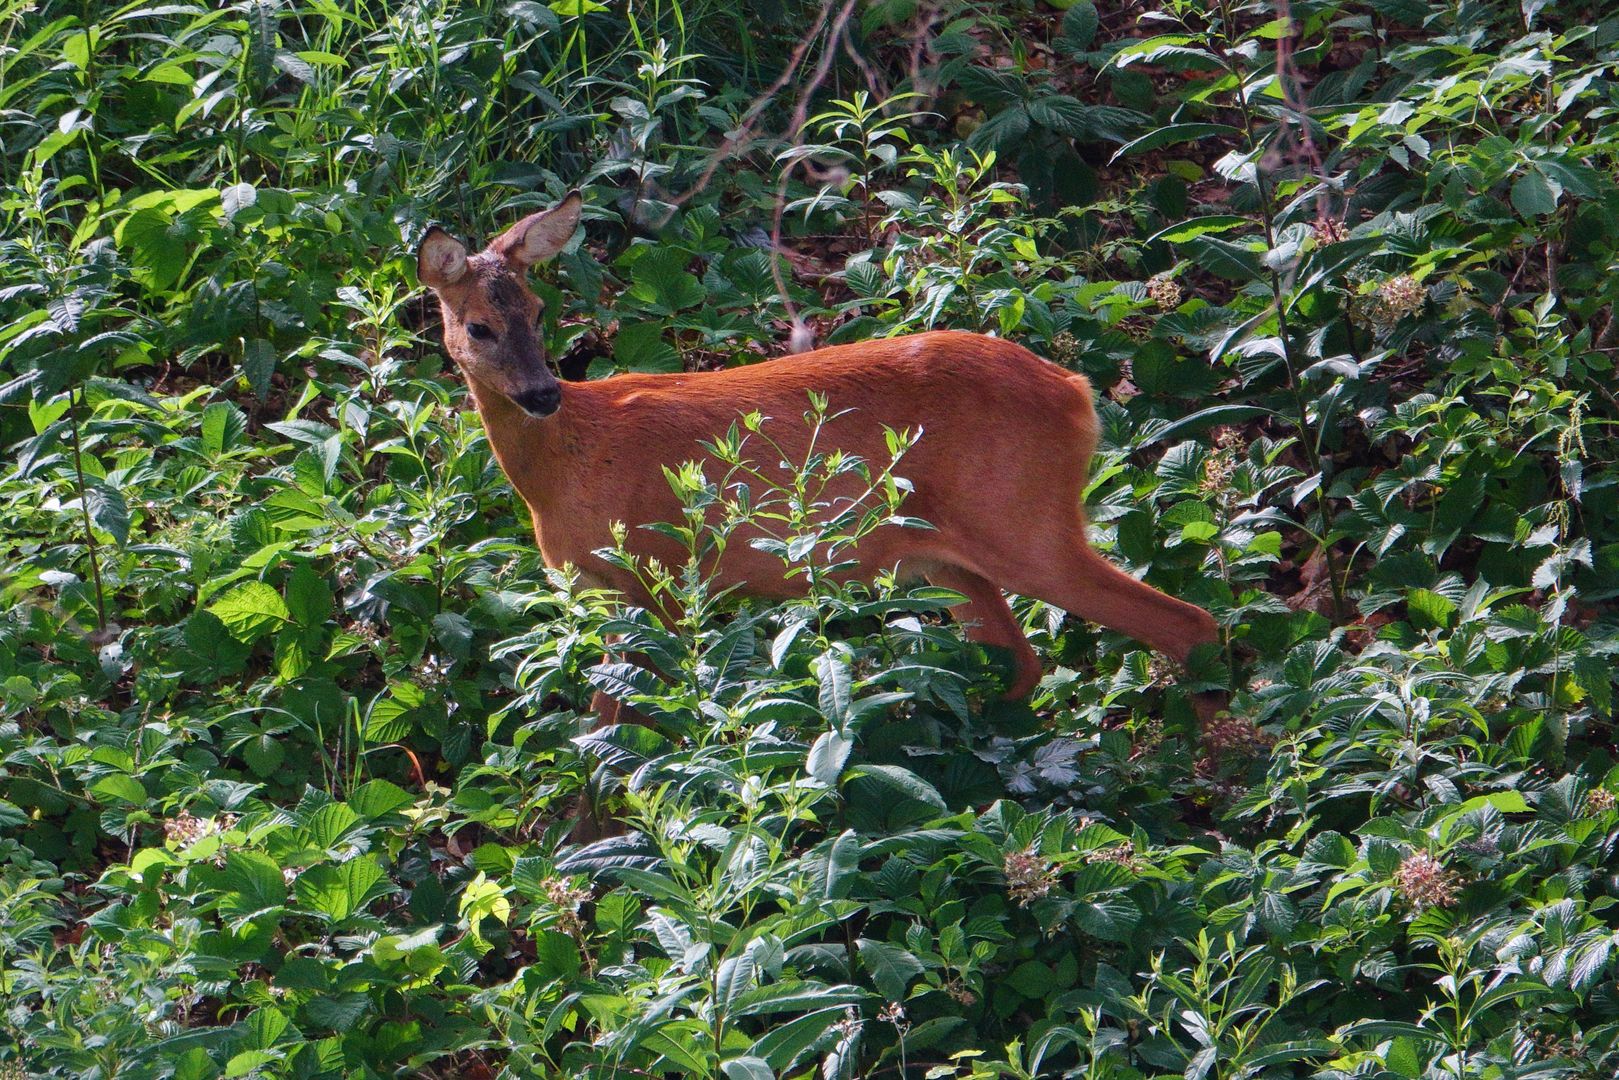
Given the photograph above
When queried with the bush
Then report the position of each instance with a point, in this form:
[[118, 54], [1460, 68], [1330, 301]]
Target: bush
[[293, 721]]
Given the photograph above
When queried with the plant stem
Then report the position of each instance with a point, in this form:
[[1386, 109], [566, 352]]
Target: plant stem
[[1307, 440], [84, 509]]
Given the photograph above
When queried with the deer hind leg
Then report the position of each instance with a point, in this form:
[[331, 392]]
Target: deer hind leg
[[990, 621], [1081, 582], [593, 822]]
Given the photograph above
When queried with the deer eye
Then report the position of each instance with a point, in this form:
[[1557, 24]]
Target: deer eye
[[480, 331]]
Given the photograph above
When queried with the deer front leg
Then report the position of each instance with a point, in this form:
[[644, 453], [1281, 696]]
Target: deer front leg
[[989, 620]]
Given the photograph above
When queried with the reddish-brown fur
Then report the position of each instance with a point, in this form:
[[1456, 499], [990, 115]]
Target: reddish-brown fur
[[999, 469]]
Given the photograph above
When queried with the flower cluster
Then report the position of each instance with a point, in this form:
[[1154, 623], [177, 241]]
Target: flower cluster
[[1221, 465], [1396, 298], [434, 671], [1063, 347], [1423, 880], [1599, 801], [1165, 291], [568, 901], [1028, 877], [1227, 734], [185, 828], [1119, 855]]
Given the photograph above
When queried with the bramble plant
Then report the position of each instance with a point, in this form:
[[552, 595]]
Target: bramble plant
[[293, 720]]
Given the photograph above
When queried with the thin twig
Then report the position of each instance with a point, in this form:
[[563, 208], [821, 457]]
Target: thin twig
[[801, 339]]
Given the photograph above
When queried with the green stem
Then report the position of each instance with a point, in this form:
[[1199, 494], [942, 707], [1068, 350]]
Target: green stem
[[1308, 440], [84, 509]]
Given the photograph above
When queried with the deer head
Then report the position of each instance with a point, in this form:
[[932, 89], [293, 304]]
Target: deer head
[[490, 314]]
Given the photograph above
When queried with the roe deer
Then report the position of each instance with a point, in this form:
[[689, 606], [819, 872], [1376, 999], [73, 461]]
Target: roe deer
[[1006, 440]]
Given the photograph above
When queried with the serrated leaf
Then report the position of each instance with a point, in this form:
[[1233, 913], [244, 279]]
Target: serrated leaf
[[902, 781], [891, 968], [250, 611], [835, 688], [1173, 135], [1534, 193], [1198, 226], [1079, 27], [337, 892], [108, 512], [826, 757]]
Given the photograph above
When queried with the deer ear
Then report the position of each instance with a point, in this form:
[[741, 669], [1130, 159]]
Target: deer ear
[[441, 260], [540, 236]]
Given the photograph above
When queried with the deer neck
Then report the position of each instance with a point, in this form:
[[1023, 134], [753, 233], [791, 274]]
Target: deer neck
[[530, 450]]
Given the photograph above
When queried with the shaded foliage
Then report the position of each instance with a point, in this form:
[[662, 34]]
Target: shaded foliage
[[292, 719]]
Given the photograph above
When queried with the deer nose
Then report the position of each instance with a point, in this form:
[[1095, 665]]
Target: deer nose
[[540, 402]]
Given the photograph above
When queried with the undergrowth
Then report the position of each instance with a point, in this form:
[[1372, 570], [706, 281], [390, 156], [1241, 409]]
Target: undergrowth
[[293, 720]]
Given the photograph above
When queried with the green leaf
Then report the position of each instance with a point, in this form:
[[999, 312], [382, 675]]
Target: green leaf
[[375, 798], [108, 512], [1234, 261], [213, 653], [1403, 1058], [392, 715], [1171, 135], [1079, 27], [793, 995], [1032, 979], [329, 824], [736, 975], [1429, 610], [338, 1013], [782, 1046], [250, 611], [641, 347], [661, 284], [842, 864], [1068, 116], [119, 787], [1213, 416], [902, 781], [258, 365], [1535, 193], [1276, 913], [339, 891], [263, 754], [891, 968], [835, 689], [1174, 51], [250, 885], [309, 599], [826, 757], [11, 815], [747, 1068], [1198, 226], [1507, 802], [1002, 130]]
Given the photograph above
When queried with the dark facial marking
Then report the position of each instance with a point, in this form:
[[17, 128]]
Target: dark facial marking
[[506, 292]]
